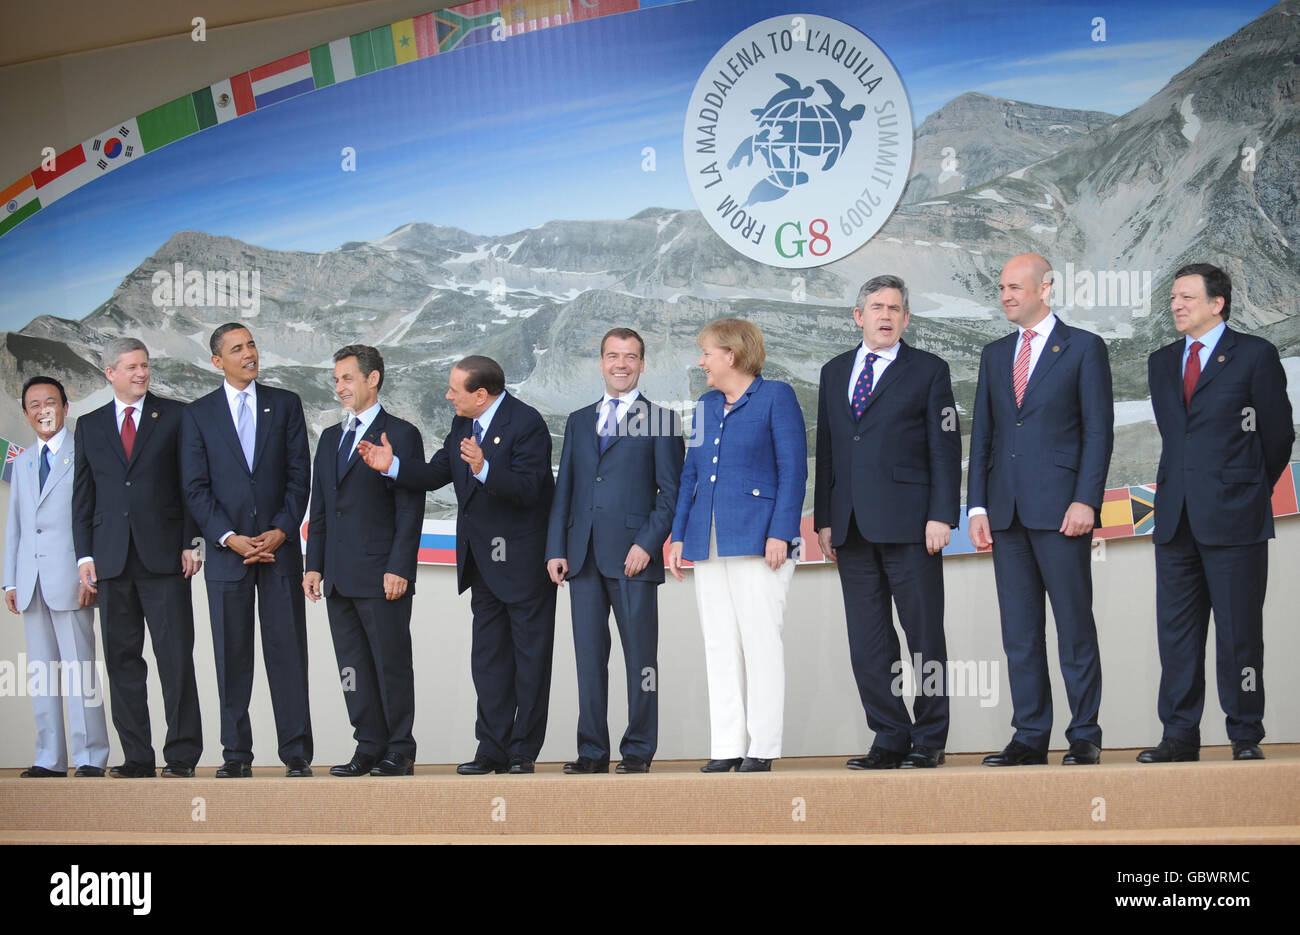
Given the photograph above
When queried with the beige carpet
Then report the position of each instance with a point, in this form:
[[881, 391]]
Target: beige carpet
[[811, 800]]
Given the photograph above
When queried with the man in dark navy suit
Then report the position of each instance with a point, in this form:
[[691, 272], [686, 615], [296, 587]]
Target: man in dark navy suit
[[363, 544], [498, 457], [247, 472], [614, 502], [886, 499], [133, 538], [1226, 434], [1041, 439]]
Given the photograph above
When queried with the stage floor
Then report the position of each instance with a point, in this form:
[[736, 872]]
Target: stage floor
[[805, 800]]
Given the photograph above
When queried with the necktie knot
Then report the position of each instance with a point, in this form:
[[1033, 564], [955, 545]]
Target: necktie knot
[[1196, 347], [1030, 334]]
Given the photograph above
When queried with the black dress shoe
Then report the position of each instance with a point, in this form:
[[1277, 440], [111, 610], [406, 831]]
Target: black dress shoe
[[922, 758], [94, 771], [234, 769], [1082, 753], [1171, 751], [297, 768], [1245, 750], [129, 770], [585, 765], [480, 766], [40, 772], [877, 758], [720, 766], [177, 771], [521, 764], [754, 764], [1016, 754], [360, 765], [395, 764], [633, 764]]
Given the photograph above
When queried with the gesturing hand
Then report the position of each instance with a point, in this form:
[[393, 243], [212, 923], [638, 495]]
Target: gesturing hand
[[379, 457]]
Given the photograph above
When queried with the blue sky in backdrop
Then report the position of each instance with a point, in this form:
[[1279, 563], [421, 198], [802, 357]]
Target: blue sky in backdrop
[[503, 136]]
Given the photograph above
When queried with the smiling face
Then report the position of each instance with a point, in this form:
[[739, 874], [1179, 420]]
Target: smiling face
[[718, 364], [1195, 313], [621, 364], [129, 376], [238, 358], [882, 319], [469, 405], [1026, 290], [45, 410], [356, 392]]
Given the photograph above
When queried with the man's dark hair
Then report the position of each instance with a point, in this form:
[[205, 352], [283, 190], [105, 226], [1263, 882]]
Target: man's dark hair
[[1218, 284], [482, 373], [368, 360], [623, 334], [43, 381], [214, 342]]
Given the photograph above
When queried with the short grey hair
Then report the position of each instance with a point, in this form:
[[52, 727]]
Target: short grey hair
[[876, 283], [115, 348]]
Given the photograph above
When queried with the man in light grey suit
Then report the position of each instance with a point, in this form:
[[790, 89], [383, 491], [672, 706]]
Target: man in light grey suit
[[40, 582]]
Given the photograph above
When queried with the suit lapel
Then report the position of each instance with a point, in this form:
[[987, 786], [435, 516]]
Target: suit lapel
[[148, 420], [633, 421], [1219, 358], [265, 414], [1055, 344], [372, 434], [105, 420], [891, 376], [221, 416], [60, 464]]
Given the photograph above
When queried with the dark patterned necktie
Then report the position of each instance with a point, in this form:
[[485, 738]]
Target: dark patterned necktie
[[862, 390]]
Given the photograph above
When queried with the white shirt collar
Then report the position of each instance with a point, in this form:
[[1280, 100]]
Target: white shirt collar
[[486, 418], [232, 394], [54, 444], [623, 401], [1043, 328], [364, 418], [120, 406], [885, 353]]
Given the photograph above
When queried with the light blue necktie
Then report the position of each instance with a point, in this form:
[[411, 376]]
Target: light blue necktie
[[244, 428], [608, 425]]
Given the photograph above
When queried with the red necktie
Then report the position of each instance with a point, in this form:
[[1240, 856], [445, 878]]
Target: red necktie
[[1020, 375], [128, 431], [1192, 372]]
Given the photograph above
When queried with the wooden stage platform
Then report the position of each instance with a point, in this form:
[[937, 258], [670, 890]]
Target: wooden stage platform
[[809, 800]]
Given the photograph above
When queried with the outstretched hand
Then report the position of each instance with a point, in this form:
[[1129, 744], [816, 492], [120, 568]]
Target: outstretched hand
[[379, 457]]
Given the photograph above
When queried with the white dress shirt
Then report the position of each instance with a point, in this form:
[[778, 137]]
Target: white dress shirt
[[884, 357], [1036, 345]]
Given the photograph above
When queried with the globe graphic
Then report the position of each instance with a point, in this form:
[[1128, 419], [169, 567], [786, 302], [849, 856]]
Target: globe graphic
[[791, 131]]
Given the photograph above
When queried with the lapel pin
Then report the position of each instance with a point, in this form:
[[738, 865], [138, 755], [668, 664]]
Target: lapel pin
[[267, 409], [496, 440], [153, 415], [66, 460], [1056, 348], [1221, 358]]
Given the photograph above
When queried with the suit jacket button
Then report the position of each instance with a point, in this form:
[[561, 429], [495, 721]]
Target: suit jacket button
[[125, 513], [599, 478], [713, 477], [39, 531], [755, 491], [338, 512], [1013, 454], [716, 440], [857, 438], [1020, 422], [128, 483]]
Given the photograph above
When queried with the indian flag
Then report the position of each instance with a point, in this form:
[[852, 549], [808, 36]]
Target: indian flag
[[332, 63], [282, 79], [69, 172], [19, 203], [114, 147], [224, 101]]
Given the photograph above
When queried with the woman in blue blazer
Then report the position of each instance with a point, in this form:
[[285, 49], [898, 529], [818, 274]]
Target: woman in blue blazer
[[738, 511]]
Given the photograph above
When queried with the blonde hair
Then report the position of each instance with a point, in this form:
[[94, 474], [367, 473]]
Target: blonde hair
[[742, 338]]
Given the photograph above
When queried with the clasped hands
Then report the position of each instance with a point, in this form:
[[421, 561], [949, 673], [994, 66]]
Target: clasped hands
[[257, 549]]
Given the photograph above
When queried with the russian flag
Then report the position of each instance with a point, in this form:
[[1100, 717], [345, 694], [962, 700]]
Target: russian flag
[[437, 548], [281, 80]]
